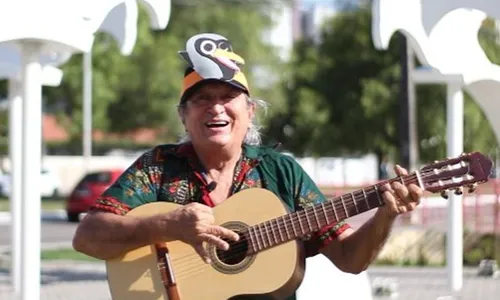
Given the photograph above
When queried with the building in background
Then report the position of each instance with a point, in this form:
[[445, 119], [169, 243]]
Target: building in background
[[315, 15]]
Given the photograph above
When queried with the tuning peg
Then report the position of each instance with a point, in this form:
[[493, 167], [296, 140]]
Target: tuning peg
[[436, 161], [459, 191], [444, 194], [463, 154], [472, 187]]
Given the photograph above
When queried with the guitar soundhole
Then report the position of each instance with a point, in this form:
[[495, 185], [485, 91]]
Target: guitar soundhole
[[235, 259], [235, 254]]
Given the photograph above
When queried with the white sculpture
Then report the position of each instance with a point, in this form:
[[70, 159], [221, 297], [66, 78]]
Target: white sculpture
[[10, 68], [321, 274], [45, 34], [442, 39], [120, 19], [443, 35]]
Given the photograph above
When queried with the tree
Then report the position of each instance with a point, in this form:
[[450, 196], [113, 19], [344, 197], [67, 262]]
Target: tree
[[142, 90], [343, 98]]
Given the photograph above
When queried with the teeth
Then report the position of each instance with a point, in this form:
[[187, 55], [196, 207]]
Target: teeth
[[217, 123]]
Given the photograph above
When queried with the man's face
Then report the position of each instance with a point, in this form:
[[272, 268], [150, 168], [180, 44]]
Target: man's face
[[218, 114]]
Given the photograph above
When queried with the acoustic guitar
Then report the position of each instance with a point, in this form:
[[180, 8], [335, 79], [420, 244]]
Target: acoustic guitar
[[268, 259]]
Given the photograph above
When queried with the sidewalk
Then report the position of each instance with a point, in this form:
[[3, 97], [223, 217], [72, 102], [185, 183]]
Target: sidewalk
[[65, 280]]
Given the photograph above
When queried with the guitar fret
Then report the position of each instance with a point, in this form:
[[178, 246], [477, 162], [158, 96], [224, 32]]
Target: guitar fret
[[263, 235], [366, 199], [257, 238], [251, 239], [293, 226], [307, 220], [419, 180], [378, 195], [279, 231], [324, 212], [343, 204], [355, 204], [300, 223], [286, 227], [334, 210], [273, 232], [267, 234], [316, 217]]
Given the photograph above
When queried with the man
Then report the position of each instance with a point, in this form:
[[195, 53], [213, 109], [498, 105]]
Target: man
[[220, 156]]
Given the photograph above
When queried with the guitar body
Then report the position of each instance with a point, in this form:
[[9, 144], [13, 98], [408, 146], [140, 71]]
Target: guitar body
[[276, 272]]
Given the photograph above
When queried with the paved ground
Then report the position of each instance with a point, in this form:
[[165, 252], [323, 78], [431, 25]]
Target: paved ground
[[75, 281]]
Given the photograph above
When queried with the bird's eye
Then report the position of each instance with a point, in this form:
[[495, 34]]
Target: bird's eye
[[207, 47], [224, 45]]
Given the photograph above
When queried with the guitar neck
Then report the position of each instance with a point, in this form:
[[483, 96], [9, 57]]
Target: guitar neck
[[311, 219]]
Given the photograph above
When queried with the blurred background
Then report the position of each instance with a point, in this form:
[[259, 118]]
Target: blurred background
[[338, 105]]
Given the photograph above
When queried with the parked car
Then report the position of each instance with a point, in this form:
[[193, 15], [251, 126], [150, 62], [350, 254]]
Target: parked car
[[49, 187], [91, 186]]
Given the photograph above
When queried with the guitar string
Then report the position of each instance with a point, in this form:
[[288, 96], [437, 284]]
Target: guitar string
[[193, 267], [239, 247], [182, 263]]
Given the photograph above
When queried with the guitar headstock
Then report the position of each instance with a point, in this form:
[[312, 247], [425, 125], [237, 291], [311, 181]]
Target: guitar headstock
[[467, 170]]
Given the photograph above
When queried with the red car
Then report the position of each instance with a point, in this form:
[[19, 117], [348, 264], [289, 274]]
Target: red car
[[87, 190]]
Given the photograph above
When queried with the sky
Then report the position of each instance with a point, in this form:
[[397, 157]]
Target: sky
[[307, 3]]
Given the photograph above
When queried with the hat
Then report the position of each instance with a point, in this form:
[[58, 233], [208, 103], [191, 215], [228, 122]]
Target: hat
[[210, 57]]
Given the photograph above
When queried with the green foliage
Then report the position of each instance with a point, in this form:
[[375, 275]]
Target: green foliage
[[339, 96], [487, 247], [343, 97], [344, 92], [142, 90]]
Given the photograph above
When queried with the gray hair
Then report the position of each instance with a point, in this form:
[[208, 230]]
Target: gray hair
[[253, 136]]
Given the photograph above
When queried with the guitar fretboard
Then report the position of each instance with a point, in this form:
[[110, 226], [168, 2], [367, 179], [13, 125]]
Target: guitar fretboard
[[311, 219]]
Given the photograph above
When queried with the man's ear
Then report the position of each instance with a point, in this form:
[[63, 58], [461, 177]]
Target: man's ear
[[181, 112], [251, 111]]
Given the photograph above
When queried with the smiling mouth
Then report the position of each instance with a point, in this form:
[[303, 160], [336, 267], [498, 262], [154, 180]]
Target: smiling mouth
[[217, 124]]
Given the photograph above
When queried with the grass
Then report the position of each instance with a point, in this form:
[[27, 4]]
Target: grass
[[65, 254], [62, 254], [47, 204]]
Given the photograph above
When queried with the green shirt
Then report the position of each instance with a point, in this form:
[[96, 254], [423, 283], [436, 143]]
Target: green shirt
[[173, 173]]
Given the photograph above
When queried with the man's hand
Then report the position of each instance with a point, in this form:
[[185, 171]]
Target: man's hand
[[194, 225], [399, 198]]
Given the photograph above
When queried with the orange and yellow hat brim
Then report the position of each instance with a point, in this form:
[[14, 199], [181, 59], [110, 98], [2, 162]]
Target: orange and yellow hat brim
[[190, 80]]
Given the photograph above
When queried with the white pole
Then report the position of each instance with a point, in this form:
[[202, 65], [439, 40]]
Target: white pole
[[31, 164], [15, 146], [455, 135], [87, 108]]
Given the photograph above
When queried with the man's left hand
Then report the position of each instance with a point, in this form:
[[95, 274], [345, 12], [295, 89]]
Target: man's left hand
[[399, 198]]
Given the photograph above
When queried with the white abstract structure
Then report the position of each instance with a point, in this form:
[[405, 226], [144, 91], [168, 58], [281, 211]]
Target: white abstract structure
[[321, 275], [36, 30], [42, 35], [443, 35], [119, 21], [10, 68], [119, 18]]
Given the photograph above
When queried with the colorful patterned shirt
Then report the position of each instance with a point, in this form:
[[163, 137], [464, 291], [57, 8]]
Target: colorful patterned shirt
[[173, 173]]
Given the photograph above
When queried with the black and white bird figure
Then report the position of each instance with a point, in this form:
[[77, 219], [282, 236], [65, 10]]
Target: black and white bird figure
[[211, 55]]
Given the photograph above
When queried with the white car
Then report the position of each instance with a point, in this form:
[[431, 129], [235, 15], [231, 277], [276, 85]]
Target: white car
[[50, 183]]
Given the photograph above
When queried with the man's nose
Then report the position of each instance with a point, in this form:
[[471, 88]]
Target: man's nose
[[217, 106]]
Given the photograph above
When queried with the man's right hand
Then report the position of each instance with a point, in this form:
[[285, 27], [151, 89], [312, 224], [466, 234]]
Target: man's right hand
[[194, 224]]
